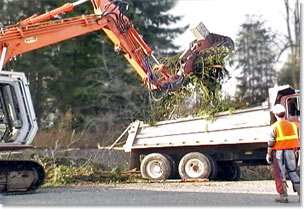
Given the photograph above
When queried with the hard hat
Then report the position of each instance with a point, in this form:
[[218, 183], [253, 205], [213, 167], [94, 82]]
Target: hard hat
[[278, 108]]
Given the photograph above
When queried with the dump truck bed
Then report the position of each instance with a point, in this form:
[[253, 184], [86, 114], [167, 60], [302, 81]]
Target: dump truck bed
[[250, 125]]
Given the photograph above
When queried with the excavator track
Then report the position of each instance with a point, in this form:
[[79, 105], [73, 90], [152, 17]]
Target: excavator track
[[20, 176]]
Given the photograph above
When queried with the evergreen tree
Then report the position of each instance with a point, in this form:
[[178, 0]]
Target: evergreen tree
[[37, 64], [255, 57], [151, 18], [85, 76]]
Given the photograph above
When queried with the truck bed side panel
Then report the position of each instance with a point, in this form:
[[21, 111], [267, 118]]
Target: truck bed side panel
[[246, 126]]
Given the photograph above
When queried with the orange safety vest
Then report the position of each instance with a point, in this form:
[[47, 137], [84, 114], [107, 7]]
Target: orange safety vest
[[286, 135]]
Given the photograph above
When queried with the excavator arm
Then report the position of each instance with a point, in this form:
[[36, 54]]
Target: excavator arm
[[126, 40], [36, 32]]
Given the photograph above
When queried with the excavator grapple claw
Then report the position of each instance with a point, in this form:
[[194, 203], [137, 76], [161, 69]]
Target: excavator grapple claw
[[163, 79], [204, 41]]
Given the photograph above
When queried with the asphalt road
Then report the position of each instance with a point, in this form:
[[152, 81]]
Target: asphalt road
[[124, 196]]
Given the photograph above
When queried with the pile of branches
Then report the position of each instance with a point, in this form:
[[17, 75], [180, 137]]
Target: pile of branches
[[201, 96]]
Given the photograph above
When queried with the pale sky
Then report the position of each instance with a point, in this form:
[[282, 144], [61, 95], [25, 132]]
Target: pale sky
[[224, 17]]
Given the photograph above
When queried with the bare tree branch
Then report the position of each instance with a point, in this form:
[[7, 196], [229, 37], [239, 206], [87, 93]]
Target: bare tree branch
[[288, 21]]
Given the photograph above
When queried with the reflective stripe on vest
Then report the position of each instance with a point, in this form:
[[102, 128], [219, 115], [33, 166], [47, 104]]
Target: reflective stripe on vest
[[290, 141], [281, 135]]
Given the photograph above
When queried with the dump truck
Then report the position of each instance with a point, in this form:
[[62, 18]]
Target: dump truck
[[195, 147]]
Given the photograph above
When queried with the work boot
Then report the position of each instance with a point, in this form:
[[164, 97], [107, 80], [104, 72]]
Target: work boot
[[297, 189], [282, 198]]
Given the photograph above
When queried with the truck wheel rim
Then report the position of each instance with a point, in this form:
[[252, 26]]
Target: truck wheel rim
[[154, 169], [194, 168]]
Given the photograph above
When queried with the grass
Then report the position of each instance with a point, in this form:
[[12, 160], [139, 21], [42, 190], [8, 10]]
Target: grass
[[61, 172]]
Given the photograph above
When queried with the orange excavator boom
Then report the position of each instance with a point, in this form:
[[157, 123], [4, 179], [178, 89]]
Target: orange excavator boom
[[37, 31]]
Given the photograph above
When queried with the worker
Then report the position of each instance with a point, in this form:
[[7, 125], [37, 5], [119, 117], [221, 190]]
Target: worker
[[282, 149]]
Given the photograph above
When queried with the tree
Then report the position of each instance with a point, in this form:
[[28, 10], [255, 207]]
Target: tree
[[71, 66], [255, 58], [37, 64], [290, 72], [96, 81], [85, 77], [152, 19]]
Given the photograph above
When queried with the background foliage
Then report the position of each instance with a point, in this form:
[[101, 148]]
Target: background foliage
[[82, 83], [256, 57], [87, 94]]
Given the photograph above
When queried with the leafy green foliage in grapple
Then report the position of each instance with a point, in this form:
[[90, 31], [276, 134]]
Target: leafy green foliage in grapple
[[201, 95]]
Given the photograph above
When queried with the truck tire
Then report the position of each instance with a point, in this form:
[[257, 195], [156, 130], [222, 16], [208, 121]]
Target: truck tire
[[234, 173], [229, 172], [173, 166], [156, 166], [214, 169], [194, 165]]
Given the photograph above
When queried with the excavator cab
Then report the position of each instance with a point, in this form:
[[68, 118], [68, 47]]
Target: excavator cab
[[18, 127], [18, 123]]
